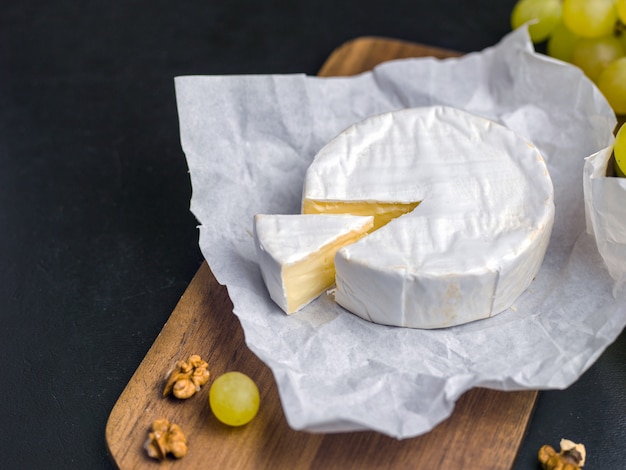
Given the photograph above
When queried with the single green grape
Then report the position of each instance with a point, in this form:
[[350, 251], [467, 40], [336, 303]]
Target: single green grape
[[546, 14], [612, 84], [590, 18], [621, 10], [234, 398], [619, 150], [561, 43], [593, 55]]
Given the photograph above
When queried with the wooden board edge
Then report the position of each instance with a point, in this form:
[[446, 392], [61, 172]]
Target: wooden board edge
[[360, 63], [129, 392]]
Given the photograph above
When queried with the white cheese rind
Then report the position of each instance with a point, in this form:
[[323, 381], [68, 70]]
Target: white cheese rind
[[471, 247], [283, 240]]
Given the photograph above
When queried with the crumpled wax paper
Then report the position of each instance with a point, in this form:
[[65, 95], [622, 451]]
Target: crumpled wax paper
[[248, 141], [605, 207]]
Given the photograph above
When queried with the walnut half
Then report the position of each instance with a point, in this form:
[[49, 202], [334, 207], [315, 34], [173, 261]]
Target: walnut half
[[187, 377], [571, 457], [164, 439]]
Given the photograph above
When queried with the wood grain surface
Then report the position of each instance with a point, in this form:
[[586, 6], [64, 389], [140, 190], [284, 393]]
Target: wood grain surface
[[485, 430]]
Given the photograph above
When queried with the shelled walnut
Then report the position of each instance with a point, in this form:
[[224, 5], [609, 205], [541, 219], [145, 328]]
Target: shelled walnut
[[571, 457], [164, 439], [187, 377]]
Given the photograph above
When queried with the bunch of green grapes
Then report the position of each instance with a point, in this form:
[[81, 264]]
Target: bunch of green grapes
[[590, 34]]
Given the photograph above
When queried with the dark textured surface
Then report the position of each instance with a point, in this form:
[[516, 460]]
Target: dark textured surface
[[97, 243]]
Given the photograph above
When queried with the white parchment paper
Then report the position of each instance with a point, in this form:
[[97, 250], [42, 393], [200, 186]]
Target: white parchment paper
[[248, 140], [605, 207]]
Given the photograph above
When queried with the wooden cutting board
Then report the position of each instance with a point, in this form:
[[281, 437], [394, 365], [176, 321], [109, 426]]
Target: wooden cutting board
[[485, 430]]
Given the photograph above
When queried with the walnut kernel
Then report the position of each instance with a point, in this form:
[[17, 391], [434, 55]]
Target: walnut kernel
[[571, 457], [187, 377], [164, 439]]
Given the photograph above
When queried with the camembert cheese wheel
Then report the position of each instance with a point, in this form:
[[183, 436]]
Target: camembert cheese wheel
[[296, 253], [463, 206]]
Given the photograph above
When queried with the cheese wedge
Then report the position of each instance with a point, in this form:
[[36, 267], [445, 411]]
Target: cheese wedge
[[296, 253], [481, 211]]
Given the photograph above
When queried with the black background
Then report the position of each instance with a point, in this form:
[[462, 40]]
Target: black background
[[97, 243]]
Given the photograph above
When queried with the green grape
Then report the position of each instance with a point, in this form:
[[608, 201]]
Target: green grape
[[545, 13], [621, 10], [234, 398], [619, 150], [590, 18], [561, 43], [612, 84], [593, 55]]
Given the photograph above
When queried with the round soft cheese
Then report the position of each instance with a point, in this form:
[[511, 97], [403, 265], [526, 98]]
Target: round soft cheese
[[467, 211]]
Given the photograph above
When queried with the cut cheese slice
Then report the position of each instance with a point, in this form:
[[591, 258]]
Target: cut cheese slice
[[296, 253], [472, 245]]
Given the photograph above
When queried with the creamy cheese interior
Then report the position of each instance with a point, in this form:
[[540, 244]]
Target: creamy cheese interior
[[383, 212], [306, 279]]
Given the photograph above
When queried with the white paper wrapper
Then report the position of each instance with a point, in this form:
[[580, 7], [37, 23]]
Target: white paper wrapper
[[605, 206], [248, 141]]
